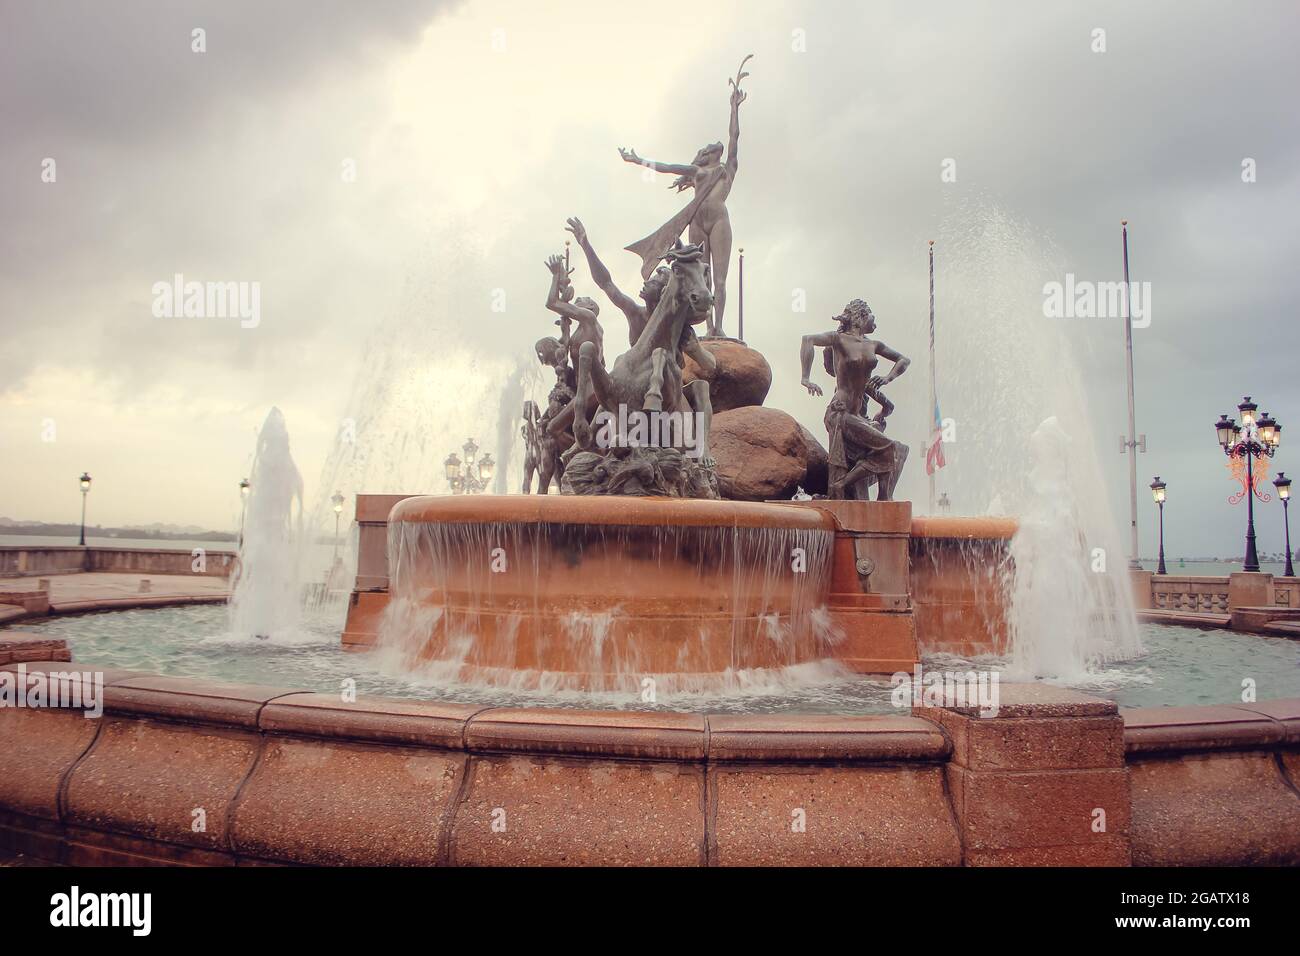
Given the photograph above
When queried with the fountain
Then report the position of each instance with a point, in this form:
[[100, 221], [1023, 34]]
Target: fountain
[[265, 599], [673, 563], [637, 571]]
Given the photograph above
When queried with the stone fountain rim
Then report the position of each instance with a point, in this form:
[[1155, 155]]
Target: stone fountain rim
[[914, 734], [608, 510]]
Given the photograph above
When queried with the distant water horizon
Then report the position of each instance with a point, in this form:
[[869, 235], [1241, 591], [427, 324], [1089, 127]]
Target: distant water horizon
[[1208, 568], [104, 541]]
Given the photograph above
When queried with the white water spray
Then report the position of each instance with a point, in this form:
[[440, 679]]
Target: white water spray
[[1069, 615], [1004, 368], [266, 597]]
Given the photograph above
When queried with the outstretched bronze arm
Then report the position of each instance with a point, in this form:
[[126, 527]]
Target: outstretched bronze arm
[[733, 131], [677, 169], [600, 275], [555, 302], [737, 97], [807, 348]]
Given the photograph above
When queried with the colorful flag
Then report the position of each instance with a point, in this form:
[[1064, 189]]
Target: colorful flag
[[934, 454]]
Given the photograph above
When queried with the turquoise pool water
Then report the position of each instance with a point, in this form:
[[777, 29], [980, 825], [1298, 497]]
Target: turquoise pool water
[[1183, 665]]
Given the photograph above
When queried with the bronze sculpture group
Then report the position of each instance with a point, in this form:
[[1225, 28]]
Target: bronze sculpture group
[[582, 441]]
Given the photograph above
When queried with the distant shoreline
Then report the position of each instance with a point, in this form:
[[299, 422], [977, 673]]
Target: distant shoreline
[[41, 530]]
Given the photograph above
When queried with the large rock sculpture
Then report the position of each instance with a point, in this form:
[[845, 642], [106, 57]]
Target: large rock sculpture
[[740, 377], [763, 454]]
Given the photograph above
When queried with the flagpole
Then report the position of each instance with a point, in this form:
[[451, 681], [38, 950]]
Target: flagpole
[[1132, 443], [741, 285], [933, 397]]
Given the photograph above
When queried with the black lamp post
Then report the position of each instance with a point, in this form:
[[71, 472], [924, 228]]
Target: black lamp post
[[1158, 493], [85, 490], [1283, 485], [1255, 438], [244, 485]]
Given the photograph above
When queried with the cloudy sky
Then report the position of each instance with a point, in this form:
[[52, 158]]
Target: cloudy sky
[[389, 173]]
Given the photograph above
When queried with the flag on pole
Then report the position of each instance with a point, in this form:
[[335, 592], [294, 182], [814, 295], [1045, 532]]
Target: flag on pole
[[934, 454]]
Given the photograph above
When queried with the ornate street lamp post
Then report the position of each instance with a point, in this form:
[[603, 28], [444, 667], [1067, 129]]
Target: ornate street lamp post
[[337, 499], [452, 465], [243, 505], [474, 480], [1283, 485], [1158, 493], [85, 490], [1254, 440]]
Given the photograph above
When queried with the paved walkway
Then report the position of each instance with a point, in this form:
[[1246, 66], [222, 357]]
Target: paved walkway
[[1190, 618], [99, 589], [1277, 628]]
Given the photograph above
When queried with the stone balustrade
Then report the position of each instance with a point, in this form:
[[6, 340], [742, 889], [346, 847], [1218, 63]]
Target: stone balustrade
[[42, 560]]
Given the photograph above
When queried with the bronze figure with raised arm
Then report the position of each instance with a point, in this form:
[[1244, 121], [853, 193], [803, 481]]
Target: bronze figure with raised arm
[[697, 391], [858, 447], [706, 215], [582, 310]]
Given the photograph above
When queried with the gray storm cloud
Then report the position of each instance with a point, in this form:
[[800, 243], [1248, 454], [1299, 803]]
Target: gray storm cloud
[[226, 166]]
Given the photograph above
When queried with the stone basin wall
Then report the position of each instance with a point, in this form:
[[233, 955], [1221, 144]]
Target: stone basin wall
[[186, 771], [957, 588]]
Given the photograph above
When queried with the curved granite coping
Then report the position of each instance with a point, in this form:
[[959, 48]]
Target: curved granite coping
[[136, 601], [128, 603], [1266, 724], [472, 728], [964, 528], [642, 735], [611, 510]]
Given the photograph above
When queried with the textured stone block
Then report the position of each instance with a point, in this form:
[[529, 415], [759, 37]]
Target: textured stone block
[[147, 778], [1029, 743], [39, 747], [1214, 809], [580, 813], [831, 816], [1022, 810], [328, 802]]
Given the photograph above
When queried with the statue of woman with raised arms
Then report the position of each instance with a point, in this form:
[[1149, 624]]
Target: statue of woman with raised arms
[[858, 447], [706, 215]]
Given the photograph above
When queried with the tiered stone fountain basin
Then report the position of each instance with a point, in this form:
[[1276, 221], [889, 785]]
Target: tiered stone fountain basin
[[601, 592]]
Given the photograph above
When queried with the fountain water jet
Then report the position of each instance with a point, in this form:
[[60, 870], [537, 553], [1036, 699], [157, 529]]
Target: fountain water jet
[[1066, 618], [1006, 367], [265, 600]]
